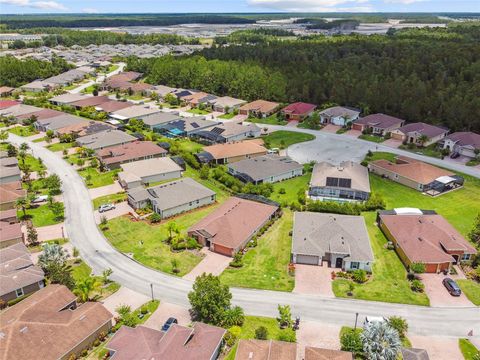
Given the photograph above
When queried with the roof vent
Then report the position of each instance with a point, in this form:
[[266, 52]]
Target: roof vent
[[82, 317], [24, 330], [250, 355], [420, 239]]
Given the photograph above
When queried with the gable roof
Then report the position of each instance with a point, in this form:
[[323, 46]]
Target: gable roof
[[426, 237], [11, 191], [19, 109], [68, 98], [428, 130], [299, 108], [10, 231], [313, 353], [113, 105], [317, 234], [357, 173], [105, 139], [90, 101], [380, 121], [42, 114], [133, 111], [225, 101], [262, 106], [466, 138], [414, 354], [61, 121], [149, 167], [262, 167], [337, 111], [236, 220], [85, 128], [252, 349], [129, 151], [159, 118], [240, 148], [7, 103]]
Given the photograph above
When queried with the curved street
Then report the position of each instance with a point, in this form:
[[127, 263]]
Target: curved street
[[99, 254]]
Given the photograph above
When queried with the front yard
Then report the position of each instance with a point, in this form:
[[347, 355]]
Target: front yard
[[109, 199], [471, 289], [32, 163], [372, 138], [23, 130], [81, 271], [266, 265], [282, 139], [41, 216], [430, 150], [97, 178], [60, 146], [197, 111], [271, 120]]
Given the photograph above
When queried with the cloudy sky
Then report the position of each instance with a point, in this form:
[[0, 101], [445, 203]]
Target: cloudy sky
[[169, 6]]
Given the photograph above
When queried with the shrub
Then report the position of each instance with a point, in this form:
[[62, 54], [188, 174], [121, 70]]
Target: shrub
[[343, 274], [192, 243], [231, 335], [261, 333], [351, 341], [364, 163], [281, 191], [411, 276], [399, 324], [144, 310], [417, 268], [359, 276], [96, 342], [417, 286], [287, 335], [237, 261], [155, 218]]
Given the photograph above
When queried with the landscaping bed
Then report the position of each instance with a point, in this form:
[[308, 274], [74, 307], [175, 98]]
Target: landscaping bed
[[81, 271]]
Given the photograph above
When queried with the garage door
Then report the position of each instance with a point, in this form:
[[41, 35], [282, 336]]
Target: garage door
[[307, 259]]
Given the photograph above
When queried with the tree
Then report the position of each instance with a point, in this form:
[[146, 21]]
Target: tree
[[127, 318], [41, 173], [60, 273], [3, 135], [57, 209], [422, 139], [22, 204], [261, 333], [204, 172], [11, 150], [285, 316], [172, 228], [209, 299], [32, 235], [52, 254], [234, 316], [53, 184], [400, 324], [22, 154], [175, 268], [350, 341], [103, 221], [85, 287], [24, 147], [380, 341], [106, 275], [474, 234], [94, 163]]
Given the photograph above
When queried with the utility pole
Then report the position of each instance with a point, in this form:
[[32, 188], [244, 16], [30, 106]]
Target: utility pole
[[151, 288], [356, 319]]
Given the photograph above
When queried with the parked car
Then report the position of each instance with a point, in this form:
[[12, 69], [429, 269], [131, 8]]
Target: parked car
[[452, 287], [169, 323], [106, 207], [372, 319], [454, 155], [40, 199]]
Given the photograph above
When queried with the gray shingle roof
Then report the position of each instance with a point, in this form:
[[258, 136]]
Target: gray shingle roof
[[262, 167], [346, 170]]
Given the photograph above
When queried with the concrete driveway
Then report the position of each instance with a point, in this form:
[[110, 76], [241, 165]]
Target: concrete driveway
[[105, 190], [353, 133], [313, 280], [212, 263], [317, 335], [330, 128], [438, 294], [120, 209], [125, 296], [51, 232], [393, 143], [438, 347], [165, 311]]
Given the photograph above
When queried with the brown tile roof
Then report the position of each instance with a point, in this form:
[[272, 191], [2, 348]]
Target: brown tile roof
[[8, 214], [17, 269], [42, 327], [113, 105], [412, 169], [42, 114], [241, 148], [125, 76], [85, 128], [262, 106], [11, 192], [178, 343], [235, 221], [129, 151], [6, 89], [426, 238], [430, 131], [10, 231], [380, 121], [313, 353], [265, 350], [465, 139], [91, 101]]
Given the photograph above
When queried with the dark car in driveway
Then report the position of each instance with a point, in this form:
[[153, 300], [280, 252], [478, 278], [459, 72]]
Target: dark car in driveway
[[169, 323], [452, 287]]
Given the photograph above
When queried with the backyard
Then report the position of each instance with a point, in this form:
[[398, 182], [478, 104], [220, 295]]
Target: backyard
[[97, 178], [271, 120], [266, 265], [282, 139], [291, 187]]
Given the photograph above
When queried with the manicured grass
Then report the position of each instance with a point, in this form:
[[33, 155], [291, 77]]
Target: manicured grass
[[23, 130], [291, 187], [60, 146], [98, 178], [372, 138], [271, 120], [227, 116], [88, 90], [222, 194], [379, 155], [40, 139], [198, 111], [112, 68], [389, 281], [430, 150], [81, 271], [109, 199], [39, 247], [283, 138], [471, 289], [467, 348], [135, 97], [40, 216], [266, 266], [32, 163], [473, 162], [248, 331]]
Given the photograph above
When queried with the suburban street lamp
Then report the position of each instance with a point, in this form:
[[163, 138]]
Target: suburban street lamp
[[356, 319], [151, 288]]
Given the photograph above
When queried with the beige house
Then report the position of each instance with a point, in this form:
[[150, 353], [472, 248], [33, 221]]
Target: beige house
[[148, 171], [231, 152]]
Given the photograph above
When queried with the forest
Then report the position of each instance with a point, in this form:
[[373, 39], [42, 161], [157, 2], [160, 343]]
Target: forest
[[14, 72], [253, 36], [418, 75]]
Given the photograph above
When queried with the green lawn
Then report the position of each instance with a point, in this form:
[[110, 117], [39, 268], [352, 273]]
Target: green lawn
[[23, 130], [32, 163], [389, 281], [98, 178], [39, 247], [36, 186], [248, 331], [471, 289], [60, 146], [291, 187], [283, 138], [89, 89], [271, 120], [372, 138], [430, 150], [227, 116], [266, 266], [41, 216], [109, 199], [112, 68], [467, 348], [81, 271], [40, 139], [198, 111], [379, 155], [134, 97]]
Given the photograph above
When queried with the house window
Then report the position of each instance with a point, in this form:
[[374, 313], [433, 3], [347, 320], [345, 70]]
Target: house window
[[19, 292], [354, 265], [465, 257]]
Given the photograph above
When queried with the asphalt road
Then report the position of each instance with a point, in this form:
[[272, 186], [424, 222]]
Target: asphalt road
[[99, 254]]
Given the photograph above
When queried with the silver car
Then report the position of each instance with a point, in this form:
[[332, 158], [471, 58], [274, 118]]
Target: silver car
[[106, 207]]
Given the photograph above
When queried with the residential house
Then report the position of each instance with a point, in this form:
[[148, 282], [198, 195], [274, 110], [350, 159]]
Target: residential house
[[417, 175], [112, 105], [231, 152], [198, 98], [52, 324], [90, 101], [37, 86], [259, 108], [6, 91], [252, 349], [114, 156], [420, 134], [40, 115], [19, 276], [19, 110], [148, 171], [11, 233], [228, 132], [348, 181], [414, 354], [156, 120], [9, 216], [10, 193], [67, 99], [84, 128], [58, 122], [200, 342], [122, 80], [68, 77], [265, 169], [423, 236], [298, 111], [229, 228], [339, 115], [313, 353], [188, 126], [9, 170], [138, 112], [340, 240], [160, 90], [226, 104], [4, 104], [105, 139], [463, 143], [378, 124], [172, 198]]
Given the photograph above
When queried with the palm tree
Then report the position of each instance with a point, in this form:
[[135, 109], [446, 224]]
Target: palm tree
[[24, 147], [22, 204], [234, 316], [85, 287], [52, 253], [172, 227], [22, 154], [422, 139], [380, 341]]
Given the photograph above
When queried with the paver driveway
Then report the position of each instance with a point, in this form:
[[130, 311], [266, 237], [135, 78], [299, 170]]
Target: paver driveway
[[49, 232], [438, 347], [438, 294], [125, 296], [212, 263], [314, 280], [317, 335], [165, 311], [330, 128], [105, 190]]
